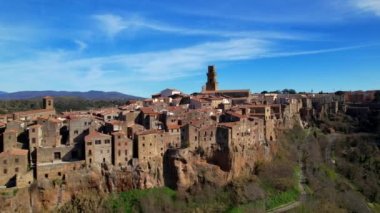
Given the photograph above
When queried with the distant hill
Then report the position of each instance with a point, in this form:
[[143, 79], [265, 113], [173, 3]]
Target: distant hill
[[90, 95]]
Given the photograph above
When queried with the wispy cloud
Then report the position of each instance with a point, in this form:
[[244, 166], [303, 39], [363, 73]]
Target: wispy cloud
[[112, 25], [81, 45], [372, 6], [128, 70]]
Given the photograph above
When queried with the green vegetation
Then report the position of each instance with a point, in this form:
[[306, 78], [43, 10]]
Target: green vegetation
[[282, 198], [61, 104], [141, 200]]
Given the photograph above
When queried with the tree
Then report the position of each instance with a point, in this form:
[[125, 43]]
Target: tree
[[377, 96], [339, 93], [264, 92], [289, 91]]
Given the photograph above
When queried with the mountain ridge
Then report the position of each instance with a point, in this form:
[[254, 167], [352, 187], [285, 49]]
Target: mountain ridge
[[90, 95]]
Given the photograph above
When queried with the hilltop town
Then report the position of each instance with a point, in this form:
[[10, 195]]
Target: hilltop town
[[170, 139]]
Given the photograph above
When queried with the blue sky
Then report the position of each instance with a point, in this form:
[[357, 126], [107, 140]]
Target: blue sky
[[141, 47]]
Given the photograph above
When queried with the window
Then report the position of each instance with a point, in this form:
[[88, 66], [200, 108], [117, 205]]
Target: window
[[46, 175], [119, 152], [143, 144], [107, 141], [5, 171], [119, 137], [143, 138], [57, 155], [76, 132], [98, 142], [4, 161], [16, 160], [126, 152], [89, 143], [33, 140], [89, 152], [59, 174], [33, 130], [150, 144]]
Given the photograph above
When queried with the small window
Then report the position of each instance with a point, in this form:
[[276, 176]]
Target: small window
[[33, 140], [98, 142], [119, 137], [143, 144], [46, 175], [4, 161], [89, 152], [76, 132], [119, 152], [33, 130], [59, 174], [126, 152], [5, 171], [57, 155], [89, 143], [16, 160], [107, 141]]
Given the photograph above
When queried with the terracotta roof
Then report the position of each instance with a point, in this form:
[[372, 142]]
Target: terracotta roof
[[228, 124], [173, 126], [235, 114], [14, 152], [148, 110], [208, 127], [95, 135], [148, 132], [119, 133], [34, 111]]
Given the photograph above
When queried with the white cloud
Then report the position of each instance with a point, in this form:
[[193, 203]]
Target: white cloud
[[372, 6], [130, 70], [113, 24], [81, 45]]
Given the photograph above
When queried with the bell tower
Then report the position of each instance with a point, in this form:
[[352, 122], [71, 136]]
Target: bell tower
[[48, 102], [212, 84]]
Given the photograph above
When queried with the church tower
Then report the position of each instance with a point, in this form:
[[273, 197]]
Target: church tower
[[212, 84], [48, 102]]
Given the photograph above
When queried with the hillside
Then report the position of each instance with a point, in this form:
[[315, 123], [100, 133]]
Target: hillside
[[90, 95]]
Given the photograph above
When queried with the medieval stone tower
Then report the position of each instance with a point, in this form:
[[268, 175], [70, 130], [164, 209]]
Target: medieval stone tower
[[212, 84], [48, 102]]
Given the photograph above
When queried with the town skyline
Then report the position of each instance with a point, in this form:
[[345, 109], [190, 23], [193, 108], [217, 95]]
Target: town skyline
[[137, 47]]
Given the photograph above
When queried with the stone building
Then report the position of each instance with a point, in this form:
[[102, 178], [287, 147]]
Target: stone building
[[149, 145], [122, 147], [150, 118], [98, 148], [13, 163], [78, 127]]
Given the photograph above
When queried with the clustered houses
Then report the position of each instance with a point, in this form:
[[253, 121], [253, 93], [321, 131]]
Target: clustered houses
[[41, 144]]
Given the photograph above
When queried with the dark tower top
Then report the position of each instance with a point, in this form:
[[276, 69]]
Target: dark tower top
[[48, 102], [212, 84]]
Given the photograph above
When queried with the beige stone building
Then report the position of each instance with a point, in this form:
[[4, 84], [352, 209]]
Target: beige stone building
[[13, 164], [122, 148], [98, 148]]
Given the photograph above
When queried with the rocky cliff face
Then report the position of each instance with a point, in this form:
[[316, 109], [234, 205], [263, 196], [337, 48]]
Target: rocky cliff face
[[185, 168]]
